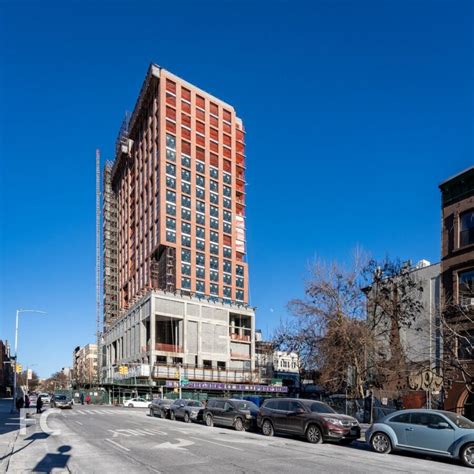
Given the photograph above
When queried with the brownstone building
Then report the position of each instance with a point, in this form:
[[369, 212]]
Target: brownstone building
[[457, 281], [6, 374]]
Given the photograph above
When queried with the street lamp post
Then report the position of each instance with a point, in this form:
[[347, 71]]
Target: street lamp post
[[18, 312]]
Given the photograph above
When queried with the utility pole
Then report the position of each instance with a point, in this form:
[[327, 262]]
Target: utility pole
[[97, 264]]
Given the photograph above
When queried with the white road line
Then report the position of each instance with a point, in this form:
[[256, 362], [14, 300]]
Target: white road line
[[82, 412], [78, 422], [116, 444], [219, 444]]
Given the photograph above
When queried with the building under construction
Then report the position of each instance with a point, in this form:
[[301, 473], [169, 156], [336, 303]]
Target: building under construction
[[175, 270]]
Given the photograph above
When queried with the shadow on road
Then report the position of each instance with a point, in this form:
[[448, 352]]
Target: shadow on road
[[52, 461]]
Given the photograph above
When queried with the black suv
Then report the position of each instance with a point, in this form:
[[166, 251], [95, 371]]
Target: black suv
[[187, 410], [316, 421], [160, 406], [240, 414]]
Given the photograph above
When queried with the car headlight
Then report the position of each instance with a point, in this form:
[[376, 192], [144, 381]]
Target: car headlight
[[334, 421], [248, 416]]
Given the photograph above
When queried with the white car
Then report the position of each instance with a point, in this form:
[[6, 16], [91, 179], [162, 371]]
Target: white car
[[136, 403], [45, 398]]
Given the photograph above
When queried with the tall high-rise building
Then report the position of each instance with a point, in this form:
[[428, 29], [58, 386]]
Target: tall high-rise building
[[174, 199]]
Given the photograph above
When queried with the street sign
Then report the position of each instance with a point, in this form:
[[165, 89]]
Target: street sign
[[277, 382], [184, 381]]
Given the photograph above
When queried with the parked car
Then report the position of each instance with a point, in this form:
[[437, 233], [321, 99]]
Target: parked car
[[61, 401], [160, 406], [45, 397], [241, 414], [187, 410], [424, 431], [314, 420], [136, 403]]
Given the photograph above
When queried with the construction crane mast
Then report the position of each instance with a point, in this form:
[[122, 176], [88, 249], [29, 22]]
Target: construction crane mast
[[97, 263]]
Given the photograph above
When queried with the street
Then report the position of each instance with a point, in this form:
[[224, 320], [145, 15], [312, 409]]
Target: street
[[112, 439]]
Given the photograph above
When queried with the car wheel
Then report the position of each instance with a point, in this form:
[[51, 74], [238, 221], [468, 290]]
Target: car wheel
[[209, 420], [163, 414], [172, 415], [314, 435], [467, 455], [130, 405], [187, 419], [267, 428], [152, 413], [239, 425], [381, 443]]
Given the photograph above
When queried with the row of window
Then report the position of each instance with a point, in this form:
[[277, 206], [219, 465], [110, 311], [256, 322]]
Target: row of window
[[200, 205], [213, 289], [201, 218]]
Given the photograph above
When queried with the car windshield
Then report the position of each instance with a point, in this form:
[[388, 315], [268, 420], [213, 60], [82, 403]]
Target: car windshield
[[245, 405], [193, 403], [60, 397], [459, 421], [319, 407]]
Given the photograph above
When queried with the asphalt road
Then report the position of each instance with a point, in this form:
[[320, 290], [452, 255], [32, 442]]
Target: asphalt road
[[108, 439]]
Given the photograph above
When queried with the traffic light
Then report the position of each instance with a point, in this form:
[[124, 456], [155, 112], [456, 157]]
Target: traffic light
[[19, 368]]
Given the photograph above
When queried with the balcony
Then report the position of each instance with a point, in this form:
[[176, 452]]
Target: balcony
[[159, 346], [240, 337], [202, 374]]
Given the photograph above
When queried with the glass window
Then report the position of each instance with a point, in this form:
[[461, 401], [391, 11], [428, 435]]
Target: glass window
[[170, 155], [227, 266], [171, 182], [239, 282], [185, 201], [227, 203], [186, 256], [214, 211], [466, 228], [170, 236], [200, 232], [239, 270], [200, 259], [186, 240], [186, 283], [283, 405], [214, 198], [460, 421], [186, 228], [319, 407], [200, 218], [227, 228], [200, 167], [228, 216], [186, 269], [200, 286], [185, 214], [170, 196], [227, 191], [200, 206], [200, 181], [200, 272], [214, 186], [170, 209], [403, 418], [466, 287], [227, 292], [170, 141], [185, 187], [227, 252], [214, 275], [227, 178], [425, 419], [227, 279], [200, 244], [170, 223], [214, 289], [214, 173], [214, 249], [239, 295], [170, 169], [200, 193], [214, 263], [214, 236], [465, 346], [214, 223], [186, 161], [186, 175]]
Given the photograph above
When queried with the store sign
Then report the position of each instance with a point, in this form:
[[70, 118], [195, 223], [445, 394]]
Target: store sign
[[229, 387]]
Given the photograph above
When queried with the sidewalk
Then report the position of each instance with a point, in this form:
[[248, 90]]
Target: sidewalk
[[9, 430]]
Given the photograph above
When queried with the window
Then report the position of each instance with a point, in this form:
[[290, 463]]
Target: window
[[214, 289], [200, 219], [171, 141], [200, 286], [465, 345], [214, 223], [227, 191], [200, 232], [171, 182], [186, 269], [214, 276], [239, 270], [185, 201], [227, 279], [200, 272], [426, 419], [200, 206], [170, 223], [207, 364], [214, 263], [200, 181], [227, 292], [170, 169], [186, 283], [466, 287], [186, 240], [214, 236], [200, 167], [186, 256], [170, 236], [227, 178], [200, 193], [214, 186], [186, 161], [200, 244], [214, 173], [403, 418], [239, 295], [170, 209], [227, 228], [227, 267], [185, 214], [227, 252], [221, 365], [214, 249], [186, 175], [170, 155], [319, 407], [170, 196], [214, 211], [185, 187], [466, 236], [200, 259], [186, 228], [228, 216], [239, 282], [227, 203], [214, 198]]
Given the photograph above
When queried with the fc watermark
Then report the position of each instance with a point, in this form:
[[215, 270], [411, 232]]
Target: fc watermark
[[27, 418]]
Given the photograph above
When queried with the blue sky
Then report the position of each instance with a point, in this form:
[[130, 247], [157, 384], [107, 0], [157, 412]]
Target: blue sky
[[355, 111]]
